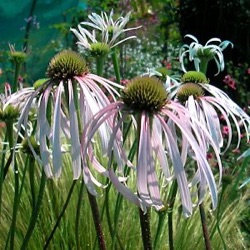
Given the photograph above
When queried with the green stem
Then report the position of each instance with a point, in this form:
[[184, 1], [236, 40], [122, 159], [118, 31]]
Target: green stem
[[17, 72], [203, 65], [78, 212], [10, 135], [32, 181], [115, 230], [17, 196], [116, 66], [240, 175], [28, 26], [11, 234], [161, 217], [145, 229], [60, 215], [35, 211], [97, 221], [26, 166], [10, 139], [2, 173], [99, 65], [170, 202], [204, 227], [218, 218]]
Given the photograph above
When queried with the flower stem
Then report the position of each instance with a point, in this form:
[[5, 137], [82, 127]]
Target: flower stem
[[99, 65], [15, 209], [29, 25], [204, 227], [2, 174], [97, 221], [170, 202], [203, 65], [60, 215], [78, 210], [17, 71], [116, 66], [10, 133], [35, 211], [218, 217], [161, 217], [32, 181], [145, 229]]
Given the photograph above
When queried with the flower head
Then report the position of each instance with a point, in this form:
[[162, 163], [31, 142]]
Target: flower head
[[106, 31], [145, 93], [202, 54], [157, 121], [17, 57], [64, 104], [8, 112], [66, 65], [208, 109]]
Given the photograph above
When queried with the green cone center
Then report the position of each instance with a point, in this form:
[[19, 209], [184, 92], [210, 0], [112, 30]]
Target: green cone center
[[66, 65], [145, 94], [194, 77], [189, 89]]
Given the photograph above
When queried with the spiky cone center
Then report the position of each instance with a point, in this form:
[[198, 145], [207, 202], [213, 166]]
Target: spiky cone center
[[99, 49], [194, 77], [66, 65], [145, 94], [189, 89]]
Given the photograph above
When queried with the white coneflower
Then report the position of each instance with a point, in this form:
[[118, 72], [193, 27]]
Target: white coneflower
[[202, 54], [110, 31]]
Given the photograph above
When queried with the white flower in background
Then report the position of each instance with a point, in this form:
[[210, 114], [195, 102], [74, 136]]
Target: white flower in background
[[202, 54], [104, 30]]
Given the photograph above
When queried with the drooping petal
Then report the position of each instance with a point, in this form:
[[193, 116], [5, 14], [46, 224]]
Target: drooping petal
[[56, 129], [126, 191], [74, 133], [179, 171], [44, 132], [142, 163]]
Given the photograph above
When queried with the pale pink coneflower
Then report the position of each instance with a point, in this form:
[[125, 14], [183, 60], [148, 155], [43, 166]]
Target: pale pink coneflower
[[209, 108], [65, 102], [157, 121]]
